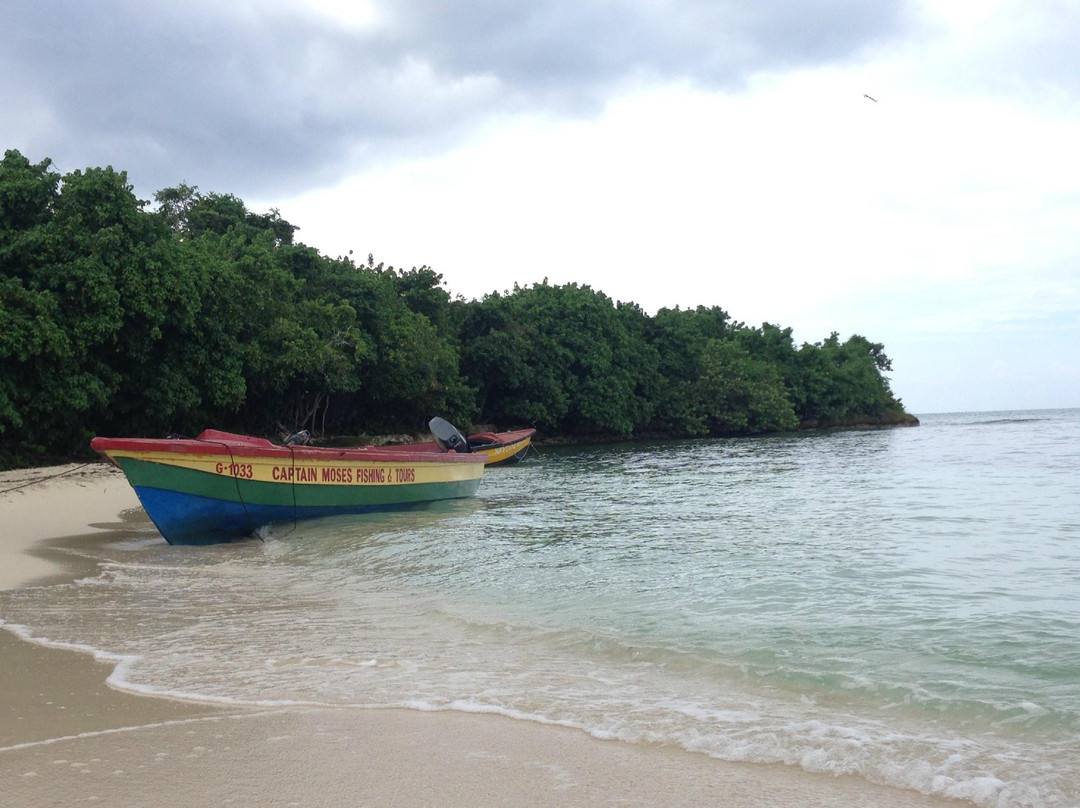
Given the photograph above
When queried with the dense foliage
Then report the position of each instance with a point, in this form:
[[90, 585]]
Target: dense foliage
[[122, 318]]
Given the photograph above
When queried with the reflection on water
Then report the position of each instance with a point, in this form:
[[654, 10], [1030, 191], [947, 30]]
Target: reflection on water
[[901, 605]]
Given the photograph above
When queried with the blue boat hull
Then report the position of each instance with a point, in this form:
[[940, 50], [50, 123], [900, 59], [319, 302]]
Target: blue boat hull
[[190, 519]]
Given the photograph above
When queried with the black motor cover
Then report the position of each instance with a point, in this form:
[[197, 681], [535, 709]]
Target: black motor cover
[[447, 436]]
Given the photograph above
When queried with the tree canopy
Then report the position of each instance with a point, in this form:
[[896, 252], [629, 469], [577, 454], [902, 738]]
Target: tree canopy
[[122, 317]]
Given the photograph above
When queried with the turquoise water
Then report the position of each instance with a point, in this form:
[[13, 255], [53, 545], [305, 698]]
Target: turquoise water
[[900, 605]]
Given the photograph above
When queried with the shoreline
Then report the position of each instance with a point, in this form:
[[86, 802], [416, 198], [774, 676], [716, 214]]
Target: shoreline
[[69, 737]]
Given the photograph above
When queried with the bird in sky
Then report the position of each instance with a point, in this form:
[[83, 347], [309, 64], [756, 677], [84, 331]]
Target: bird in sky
[[864, 95]]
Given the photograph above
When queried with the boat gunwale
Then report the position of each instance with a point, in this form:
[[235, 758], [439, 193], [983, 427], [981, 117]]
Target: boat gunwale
[[193, 446]]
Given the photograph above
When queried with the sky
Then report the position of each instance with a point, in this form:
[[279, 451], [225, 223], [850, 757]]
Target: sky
[[908, 171]]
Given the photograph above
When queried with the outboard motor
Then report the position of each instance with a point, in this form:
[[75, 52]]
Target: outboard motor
[[300, 438], [447, 436]]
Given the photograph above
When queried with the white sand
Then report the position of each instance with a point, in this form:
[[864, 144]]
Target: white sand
[[40, 504]]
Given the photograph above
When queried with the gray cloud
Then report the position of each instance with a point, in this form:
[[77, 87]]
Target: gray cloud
[[278, 100]]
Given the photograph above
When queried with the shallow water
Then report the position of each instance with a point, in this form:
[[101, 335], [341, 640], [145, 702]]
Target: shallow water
[[900, 605]]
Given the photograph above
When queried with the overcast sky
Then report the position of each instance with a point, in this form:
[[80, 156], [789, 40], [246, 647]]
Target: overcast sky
[[665, 152]]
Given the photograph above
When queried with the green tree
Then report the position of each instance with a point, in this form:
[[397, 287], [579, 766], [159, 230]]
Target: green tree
[[738, 393], [840, 381], [564, 357], [423, 292], [405, 368], [30, 330], [81, 273], [679, 337]]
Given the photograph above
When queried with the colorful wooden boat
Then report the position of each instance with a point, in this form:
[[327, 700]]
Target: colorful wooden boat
[[221, 486], [502, 448]]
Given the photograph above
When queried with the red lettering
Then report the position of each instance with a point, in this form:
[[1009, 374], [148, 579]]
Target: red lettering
[[337, 475], [286, 474], [370, 475]]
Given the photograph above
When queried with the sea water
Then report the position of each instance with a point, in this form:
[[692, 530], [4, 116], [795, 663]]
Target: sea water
[[900, 605]]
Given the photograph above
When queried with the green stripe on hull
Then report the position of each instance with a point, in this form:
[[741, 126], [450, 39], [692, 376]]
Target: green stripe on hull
[[334, 495], [142, 473]]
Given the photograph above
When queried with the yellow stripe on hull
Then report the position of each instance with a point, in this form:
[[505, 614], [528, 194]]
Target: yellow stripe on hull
[[500, 454], [304, 471]]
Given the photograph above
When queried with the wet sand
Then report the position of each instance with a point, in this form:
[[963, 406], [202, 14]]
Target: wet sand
[[69, 738]]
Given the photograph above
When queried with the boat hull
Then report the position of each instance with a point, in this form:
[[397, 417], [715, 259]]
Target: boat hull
[[508, 452], [205, 492]]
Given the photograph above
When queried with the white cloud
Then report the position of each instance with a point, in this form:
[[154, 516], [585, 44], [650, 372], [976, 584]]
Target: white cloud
[[683, 198], [351, 13]]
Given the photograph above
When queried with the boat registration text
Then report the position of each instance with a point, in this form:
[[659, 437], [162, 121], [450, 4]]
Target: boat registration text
[[337, 475]]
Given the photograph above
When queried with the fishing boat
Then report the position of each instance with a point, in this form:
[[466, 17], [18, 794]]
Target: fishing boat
[[222, 486], [502, 448]]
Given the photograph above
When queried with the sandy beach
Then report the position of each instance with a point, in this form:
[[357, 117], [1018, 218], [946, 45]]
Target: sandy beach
[[67, 737]]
